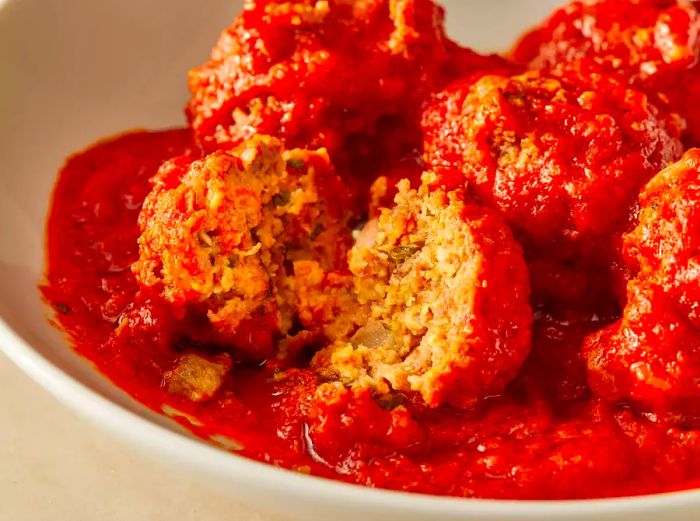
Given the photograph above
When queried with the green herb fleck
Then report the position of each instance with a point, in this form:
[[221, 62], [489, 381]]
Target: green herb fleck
[[281, 198], [318, 230], [390, 401], [296, 163], [63, 308], [402, 253]]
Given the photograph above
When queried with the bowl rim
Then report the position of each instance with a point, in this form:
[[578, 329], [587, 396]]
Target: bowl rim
[[158, 440]]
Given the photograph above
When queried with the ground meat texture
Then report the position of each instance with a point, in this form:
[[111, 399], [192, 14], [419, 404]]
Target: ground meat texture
[[416, 392], [654, 44], [448, 294], [326, 301], [651, 356], [220, 234], [196, 377], [349, 76], [560, 156]]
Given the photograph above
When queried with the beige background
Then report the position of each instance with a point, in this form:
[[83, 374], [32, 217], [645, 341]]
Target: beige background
[[54, 465]]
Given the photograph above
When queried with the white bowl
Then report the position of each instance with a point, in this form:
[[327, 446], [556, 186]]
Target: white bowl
[[73, 71]]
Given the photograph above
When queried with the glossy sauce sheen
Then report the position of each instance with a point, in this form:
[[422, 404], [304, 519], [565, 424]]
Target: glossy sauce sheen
[[546, 437]]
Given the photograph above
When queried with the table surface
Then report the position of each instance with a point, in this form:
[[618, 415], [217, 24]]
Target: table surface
[[56, 466]]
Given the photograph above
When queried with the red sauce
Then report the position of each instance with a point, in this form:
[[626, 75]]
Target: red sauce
[[561, 153], [545, 437]]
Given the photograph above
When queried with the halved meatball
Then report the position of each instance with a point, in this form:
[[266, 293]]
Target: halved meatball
[[447, 290], [651, 356], [221, 234]]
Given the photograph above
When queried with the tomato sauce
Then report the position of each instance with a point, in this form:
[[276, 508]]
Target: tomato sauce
[[545, 437], [561, 152]]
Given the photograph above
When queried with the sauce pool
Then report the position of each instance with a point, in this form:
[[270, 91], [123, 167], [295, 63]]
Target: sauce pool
[[546, 437]]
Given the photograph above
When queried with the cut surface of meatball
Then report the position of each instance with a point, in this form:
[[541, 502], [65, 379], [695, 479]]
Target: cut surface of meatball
[[220, 234], [447, 290], [654, 44], [651, 356], [326, 300]]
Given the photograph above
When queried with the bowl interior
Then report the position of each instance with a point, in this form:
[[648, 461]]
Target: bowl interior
[[75, 71]]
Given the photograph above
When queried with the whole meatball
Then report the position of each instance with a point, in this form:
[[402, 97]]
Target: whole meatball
[[665, 244], [348, 76], [561, 156], [220, 234], [447, 291], [651, 356], [654, 44]]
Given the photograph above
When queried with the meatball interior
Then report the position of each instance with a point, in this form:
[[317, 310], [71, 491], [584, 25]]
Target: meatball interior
[[222, 233], [447, 290]]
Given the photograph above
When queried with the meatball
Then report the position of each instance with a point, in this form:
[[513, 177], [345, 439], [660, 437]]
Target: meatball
[[654, 44], [560, 156], [349, 76], [447, 290], [220, 234], [651, 356], [665, 244]]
